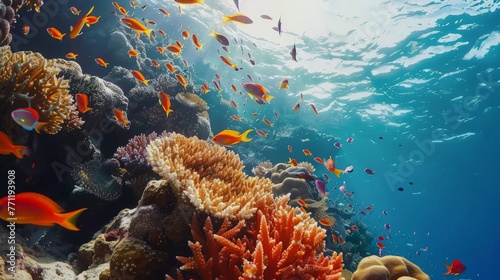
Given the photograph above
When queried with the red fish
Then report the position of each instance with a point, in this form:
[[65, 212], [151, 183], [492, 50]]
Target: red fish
[[37, 209], [355, 227], [165, 102], [381, 238], [335, 239], [330, 165], [82, 101], [319, 160], [261, 133], [289, 148], [325, 222], [292, 161], [120, 117], [456, 268], [230, 137], [302, 202], [380, 245], [7, 147]]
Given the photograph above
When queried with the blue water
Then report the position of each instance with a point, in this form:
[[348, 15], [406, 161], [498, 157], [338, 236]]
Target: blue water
[[390, 74]]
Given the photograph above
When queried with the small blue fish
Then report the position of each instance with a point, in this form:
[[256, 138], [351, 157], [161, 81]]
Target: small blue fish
[[320, 185], [28, 119]]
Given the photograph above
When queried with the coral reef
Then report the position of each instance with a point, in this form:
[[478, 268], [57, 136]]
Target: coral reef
[[210, 177], [388, 267], [7, 18], [32, 4], [29, 80], [262, 168], [133, 155], [100, 178], [278, 244]]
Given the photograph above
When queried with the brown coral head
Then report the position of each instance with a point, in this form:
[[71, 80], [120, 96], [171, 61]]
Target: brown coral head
[[388, 267]]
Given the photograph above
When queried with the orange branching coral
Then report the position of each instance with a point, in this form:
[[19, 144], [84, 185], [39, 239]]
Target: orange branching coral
[[210, 177], [280, 243], [29, 80]]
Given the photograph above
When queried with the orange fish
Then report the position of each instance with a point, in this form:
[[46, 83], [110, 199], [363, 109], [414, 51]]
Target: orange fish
[[236, 118], [120, 117], [116, 5], [155, 63], [179, 44], [101, 62], [217, 76], [302, 202], [289, 148], [456, 268], [314, 109], [174, 49], [82, 101], [123, 11], [152, 22], [240, 18], [76, 30], [133, 4], [91, 20], [229, 63], [234, 104], [185, 63], [341, 240], [284, 84], [185, 34], [335, 239], [204, 88], [319, 160], [133, 53], [165, 102], [37, 209], [75, 11], [325, 222], [266, 121], [201, 2], [26, 29], [303, 209], [234, 88], [292, 161], [261, 133], [217, 86], [136, 25], [330, 165], [230, 137], [54, 33], [170, 67], [138, 75], [7, 147], [307, 152], [196, 42], [254, 114], [181, 80], [296, 107], [162, 32], [163, 11], [71, 55]]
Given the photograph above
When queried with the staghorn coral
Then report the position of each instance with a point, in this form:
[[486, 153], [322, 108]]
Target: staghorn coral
[[210, 177], [388, 267], [277, 244], [29, 80]]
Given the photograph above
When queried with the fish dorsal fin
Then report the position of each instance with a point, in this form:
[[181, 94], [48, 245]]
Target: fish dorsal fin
[[42, 199], [34, 112], [90, 11], [262, 88], [230, 132], [71, 28]]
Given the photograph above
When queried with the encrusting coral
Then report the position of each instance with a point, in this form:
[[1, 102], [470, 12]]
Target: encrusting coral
[[29, 80], [388, 267], [210, 177], [279, 243]]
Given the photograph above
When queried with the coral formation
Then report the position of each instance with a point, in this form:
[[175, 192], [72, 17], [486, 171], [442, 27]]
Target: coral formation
[[210, 177], [32, 4], [388, 267], [7, 18], [99, 178], [133, 155], [262, 168], [29, 80], [278, 244]]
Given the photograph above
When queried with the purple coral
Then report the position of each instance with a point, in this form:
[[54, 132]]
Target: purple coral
[[133, 155]]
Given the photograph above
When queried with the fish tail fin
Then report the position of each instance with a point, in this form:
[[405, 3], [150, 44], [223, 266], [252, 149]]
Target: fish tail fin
[[268, 98], [200, 47], [286, 87], [39, 126], [106, 64], [87, 24], [62, 35], [337, 172], [225, 19], [244, 135], [169, 111], [148, 32], [146, 82], [448, 268], [20, 151], [87, 109], [69, 219], [90, 11], [201, 2]]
